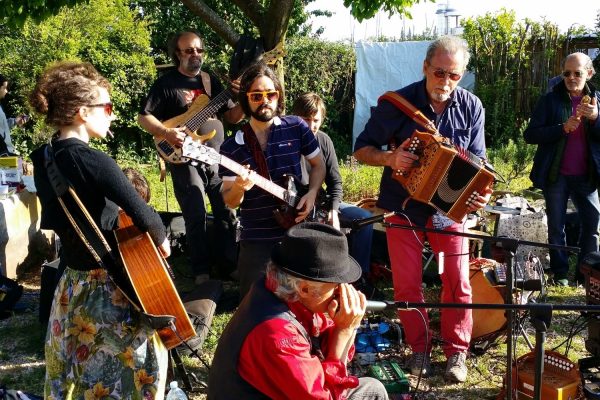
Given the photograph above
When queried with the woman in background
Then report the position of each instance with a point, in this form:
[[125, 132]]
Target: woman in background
[[96, 345]]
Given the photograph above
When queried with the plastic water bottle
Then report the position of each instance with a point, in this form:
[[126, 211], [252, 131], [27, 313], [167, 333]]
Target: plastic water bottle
[[175, 393]]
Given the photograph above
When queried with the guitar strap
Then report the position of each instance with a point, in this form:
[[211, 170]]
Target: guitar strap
[[93, 239], [205, 78], [257, 153]]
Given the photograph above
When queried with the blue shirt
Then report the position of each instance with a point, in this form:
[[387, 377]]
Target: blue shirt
[[462, 122], [289, 140]]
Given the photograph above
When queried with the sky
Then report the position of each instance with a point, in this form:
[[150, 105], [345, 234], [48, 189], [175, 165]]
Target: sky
[[343, 27]]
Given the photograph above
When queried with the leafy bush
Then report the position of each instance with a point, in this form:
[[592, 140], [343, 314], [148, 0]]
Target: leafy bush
[[327, 69], [104, 32], [513, 162]]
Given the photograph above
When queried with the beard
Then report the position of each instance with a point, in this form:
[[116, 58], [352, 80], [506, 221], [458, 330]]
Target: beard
[[263, 113], [193, 65], [440, 97]]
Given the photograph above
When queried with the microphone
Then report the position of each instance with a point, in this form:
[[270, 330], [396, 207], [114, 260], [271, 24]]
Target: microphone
[[359, 223], [374, 305]]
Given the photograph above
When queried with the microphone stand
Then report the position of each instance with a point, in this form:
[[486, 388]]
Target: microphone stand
[[539, 319]]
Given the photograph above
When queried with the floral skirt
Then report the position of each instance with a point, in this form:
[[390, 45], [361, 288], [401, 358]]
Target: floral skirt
[[96, 347]]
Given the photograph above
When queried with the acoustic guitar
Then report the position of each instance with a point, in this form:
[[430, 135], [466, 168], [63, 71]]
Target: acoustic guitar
[[201, 110], [151, 279], [193, 150]]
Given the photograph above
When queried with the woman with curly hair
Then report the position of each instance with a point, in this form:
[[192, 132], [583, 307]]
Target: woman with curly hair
[[97, 346]]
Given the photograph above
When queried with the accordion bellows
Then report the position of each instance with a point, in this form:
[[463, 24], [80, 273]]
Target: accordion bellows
[[448, 178]]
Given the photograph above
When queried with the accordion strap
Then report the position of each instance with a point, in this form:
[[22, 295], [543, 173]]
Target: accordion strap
[[406, 107]]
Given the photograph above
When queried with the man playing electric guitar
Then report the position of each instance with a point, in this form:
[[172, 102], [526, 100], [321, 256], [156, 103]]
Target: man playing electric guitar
[[272, 146], [172, 95]]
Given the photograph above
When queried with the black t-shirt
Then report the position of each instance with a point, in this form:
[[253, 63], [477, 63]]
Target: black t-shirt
[[102, 187], [173, 93]]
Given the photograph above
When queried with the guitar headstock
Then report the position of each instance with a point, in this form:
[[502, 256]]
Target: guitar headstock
[[194, 150]]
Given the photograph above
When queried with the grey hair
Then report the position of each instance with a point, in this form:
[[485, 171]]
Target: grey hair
[[288, 285], [588, 63], [450, 44]]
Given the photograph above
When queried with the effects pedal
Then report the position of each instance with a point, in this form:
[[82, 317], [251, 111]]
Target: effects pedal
[[391, 375]]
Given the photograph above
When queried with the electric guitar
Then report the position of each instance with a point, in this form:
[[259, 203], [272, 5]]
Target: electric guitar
[[201, 110], [193, 150], [150, 278]]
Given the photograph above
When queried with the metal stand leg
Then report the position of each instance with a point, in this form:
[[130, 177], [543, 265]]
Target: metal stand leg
[[182, 373]]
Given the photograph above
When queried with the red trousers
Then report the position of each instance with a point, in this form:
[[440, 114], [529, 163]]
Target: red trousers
[[405, 248]]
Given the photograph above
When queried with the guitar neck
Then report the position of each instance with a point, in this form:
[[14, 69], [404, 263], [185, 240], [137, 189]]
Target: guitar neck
[[215, 104], [257, 179]]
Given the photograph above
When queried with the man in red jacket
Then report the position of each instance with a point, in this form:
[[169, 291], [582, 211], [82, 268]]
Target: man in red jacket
[[279, 343]]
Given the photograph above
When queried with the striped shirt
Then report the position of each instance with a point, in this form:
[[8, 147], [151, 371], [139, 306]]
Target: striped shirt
[[289, 140]]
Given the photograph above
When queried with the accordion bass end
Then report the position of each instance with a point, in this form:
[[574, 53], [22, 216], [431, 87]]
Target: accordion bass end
[[448, 177]]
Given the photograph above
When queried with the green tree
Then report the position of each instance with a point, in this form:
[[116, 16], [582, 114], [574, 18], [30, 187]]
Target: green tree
[[104, 32], [334, 65], [270, 19], [511, 61]]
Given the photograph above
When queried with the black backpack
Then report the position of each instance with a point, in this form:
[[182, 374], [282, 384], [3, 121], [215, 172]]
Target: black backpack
[[10, 293]]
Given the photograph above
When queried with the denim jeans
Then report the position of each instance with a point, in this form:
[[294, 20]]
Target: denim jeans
[[360, 239], [368, 389], [585, 197]]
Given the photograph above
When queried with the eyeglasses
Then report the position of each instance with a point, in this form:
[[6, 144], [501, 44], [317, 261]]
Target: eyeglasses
[[192, 50], [576, 74], [257, 97], [108, 107], [442, 73]]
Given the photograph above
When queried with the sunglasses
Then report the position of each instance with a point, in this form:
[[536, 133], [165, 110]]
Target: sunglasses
[[108, 107], [257, 97], [442, 73], [192, 50], [576, 74]]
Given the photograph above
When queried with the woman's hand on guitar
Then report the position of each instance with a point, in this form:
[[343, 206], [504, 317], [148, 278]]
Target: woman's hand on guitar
[[175, 136], [305, 205], [401, 159], [165, 248]]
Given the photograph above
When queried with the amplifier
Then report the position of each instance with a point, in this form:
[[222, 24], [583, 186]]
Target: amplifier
[[560, 380], [449, 178], [391, 375]]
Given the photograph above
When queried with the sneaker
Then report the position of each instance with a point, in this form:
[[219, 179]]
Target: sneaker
[[420, 364], [561, 282], [456, 367]]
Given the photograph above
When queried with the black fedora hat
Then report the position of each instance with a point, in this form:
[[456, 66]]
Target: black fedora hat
[[316, 252]]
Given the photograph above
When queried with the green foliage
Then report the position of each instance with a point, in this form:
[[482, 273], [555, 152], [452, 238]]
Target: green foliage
[[512, 62], [513, 163], [327, 69], [359, 181], [107, 34], [365, 9]]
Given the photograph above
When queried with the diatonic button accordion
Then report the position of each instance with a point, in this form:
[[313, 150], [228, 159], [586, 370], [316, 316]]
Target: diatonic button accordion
[[448, 177]]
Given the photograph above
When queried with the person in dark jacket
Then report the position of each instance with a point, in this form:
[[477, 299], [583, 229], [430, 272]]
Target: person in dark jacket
[[566, 129], [280, 344]]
